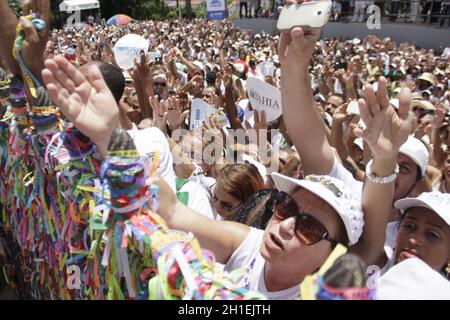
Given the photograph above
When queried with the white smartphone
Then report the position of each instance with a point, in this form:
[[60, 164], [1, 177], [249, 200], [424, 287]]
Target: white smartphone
[[353, 107], [313, 14]]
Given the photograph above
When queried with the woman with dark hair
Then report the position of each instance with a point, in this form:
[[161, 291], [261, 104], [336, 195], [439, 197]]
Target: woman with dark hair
[[235, 183]]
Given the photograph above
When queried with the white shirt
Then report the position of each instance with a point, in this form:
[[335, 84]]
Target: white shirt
[[248, 256], [151, 140]]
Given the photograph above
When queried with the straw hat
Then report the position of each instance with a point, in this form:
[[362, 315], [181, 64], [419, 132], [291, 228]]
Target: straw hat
[[428, 77]]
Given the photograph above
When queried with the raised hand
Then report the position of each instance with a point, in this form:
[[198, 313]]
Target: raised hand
[[159, 113], [174, 115], [227, 76], [297, 45], [34, 44], [386, 131], [423, 129], [439, 116], [87, 103], [142, 70], [341, 115]]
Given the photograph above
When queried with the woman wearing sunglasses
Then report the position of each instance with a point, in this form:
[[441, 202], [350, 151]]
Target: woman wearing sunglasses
[[310, 217], [235, 183]]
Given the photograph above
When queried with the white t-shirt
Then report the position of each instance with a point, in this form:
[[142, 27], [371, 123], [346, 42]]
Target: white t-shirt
[[150, 140], [248, 256], [199, 199], [339, 172]]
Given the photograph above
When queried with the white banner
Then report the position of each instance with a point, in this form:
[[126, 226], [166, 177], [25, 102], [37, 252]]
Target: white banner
[[264, 96], [201, 111]]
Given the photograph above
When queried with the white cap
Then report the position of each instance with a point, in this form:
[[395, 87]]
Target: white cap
[[261, 169], [275, 59], [198, 64], [412, 279], [395, 103], [334, 192], [435, 200], [359, 142], [416, 150]]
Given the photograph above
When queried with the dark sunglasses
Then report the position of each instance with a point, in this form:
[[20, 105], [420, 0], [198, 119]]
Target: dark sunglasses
[[308, 229], [161, 84]]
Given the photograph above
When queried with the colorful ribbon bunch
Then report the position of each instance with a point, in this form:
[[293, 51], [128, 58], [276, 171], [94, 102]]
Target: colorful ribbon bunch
[[137, 238]]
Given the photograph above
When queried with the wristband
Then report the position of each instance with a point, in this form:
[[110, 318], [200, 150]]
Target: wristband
[[380, 180]]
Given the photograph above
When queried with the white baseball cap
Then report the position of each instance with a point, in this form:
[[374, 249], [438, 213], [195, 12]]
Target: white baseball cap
[[334, 192], [437, 201], [416, 150]]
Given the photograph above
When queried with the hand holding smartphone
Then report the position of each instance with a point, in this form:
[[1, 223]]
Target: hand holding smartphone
[[312, 14]]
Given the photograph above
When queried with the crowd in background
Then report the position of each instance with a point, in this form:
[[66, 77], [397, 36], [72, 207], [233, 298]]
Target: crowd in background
[[319, 157]]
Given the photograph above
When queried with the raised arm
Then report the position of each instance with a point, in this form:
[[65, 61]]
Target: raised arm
[[303, 121], [8, 35], [221, 237], [230, 101], [385, 133], [87, 103], [438, 152]]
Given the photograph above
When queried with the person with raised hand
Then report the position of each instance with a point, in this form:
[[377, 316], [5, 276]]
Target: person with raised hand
[[87, 103], [35, 42], [305, 125], [385, 133], [424, 229]]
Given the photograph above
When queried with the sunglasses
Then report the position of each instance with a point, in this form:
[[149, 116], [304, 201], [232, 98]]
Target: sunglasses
[[308, 229], [225, 206], [161, 84]]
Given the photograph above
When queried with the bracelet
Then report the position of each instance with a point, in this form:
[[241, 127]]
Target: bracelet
[[380, 180]]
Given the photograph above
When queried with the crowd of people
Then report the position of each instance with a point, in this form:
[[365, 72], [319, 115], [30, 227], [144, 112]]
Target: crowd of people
[[360, 156], [414, 11]]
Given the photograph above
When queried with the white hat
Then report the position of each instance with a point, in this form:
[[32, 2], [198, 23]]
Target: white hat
[[416, 150], [257, 35], [435, 200], [276, 59], [395, 102], [261, 169], [423, 104], [198, 64], [359, 142], [333, 191], [160, 76], [412, 279], [426, 76], [356, 41]]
